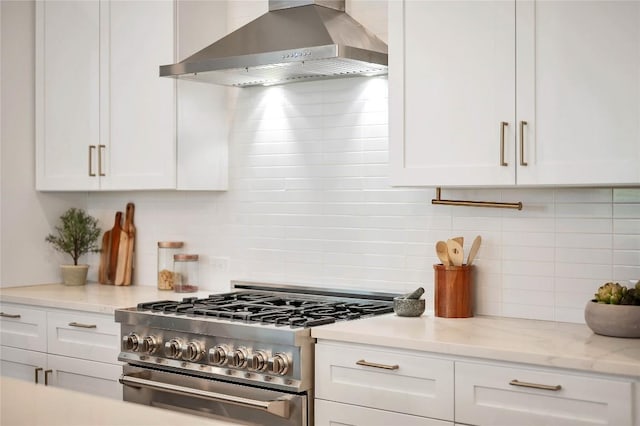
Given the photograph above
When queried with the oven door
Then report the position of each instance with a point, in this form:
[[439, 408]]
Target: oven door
[[235, 403]]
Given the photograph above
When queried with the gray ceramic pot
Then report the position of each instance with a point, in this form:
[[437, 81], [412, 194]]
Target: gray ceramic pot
[[613, 320]]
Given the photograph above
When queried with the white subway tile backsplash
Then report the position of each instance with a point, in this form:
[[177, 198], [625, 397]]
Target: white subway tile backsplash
[[310, 203]]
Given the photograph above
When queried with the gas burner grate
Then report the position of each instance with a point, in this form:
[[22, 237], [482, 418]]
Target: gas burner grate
[[270, 308]]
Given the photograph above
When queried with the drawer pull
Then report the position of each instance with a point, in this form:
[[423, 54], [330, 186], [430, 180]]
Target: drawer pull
[[46, 377], [79, 324], [376, 365], [36, 374], [2, 314], [535, 385]]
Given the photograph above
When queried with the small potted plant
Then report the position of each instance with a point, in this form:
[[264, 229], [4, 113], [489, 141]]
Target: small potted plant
[[615, 310], [77, 236]]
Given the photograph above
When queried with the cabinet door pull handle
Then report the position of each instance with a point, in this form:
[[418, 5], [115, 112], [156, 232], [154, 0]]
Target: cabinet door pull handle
[[100, 151], [522, 162], [80, 325], [2, 314], [376, 365], [535, 385], [503, 124], [91, 148], [36, 374], [46, 377]]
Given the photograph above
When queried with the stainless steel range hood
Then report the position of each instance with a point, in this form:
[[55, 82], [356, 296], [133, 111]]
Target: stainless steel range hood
[[297, 40]]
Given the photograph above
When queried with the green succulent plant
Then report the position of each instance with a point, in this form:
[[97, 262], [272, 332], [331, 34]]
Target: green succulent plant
[[77, 235], [616, 294]]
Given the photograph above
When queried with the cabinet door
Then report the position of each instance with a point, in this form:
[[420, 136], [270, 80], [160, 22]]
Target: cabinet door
[[578, 74], [385, 379], [451, 85], [328, 413], [83, 335], [95, 378], [22, 364], [487, 395], [67, 94], [23, 327], [138, 114]]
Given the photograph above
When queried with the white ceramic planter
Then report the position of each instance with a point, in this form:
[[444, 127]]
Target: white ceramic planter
[[613, 320], [74, 274]]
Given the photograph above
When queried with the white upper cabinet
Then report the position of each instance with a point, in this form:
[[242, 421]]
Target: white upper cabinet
[[138, 107], [503, 93], [105, 120], [67, 95], [578, 79]]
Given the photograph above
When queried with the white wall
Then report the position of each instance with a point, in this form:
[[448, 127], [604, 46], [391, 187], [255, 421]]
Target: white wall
[[26, 216]]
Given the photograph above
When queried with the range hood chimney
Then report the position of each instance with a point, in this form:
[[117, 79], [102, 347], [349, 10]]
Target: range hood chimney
[[297, 40]]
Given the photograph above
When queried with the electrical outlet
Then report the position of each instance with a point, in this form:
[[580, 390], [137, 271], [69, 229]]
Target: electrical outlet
[[219, 264]]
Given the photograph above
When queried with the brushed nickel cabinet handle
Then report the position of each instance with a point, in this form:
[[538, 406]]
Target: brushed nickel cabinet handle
[[503, 124], [2, 314], [376, 365], [80, 325], [91, 149], [535, 385], [522, 162], [46, 377], [100, 150], [36, 374]]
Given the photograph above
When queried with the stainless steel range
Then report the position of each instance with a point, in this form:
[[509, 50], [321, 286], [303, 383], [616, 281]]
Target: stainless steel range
[[244, 356]]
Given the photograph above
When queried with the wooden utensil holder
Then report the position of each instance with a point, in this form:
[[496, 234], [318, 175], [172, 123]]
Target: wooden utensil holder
[[453, 292]]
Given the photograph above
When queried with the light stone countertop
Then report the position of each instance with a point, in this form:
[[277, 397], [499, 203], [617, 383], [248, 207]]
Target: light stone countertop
[[24, 403], [542, 343], [92, 297]]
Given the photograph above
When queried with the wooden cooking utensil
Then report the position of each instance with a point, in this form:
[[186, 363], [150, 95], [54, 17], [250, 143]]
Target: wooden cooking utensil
[[474, 249], [114, 248], [442, 252], [456, 254], [459, 240]]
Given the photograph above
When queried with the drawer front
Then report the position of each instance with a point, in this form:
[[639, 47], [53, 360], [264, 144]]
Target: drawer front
[[329, 413], [95, 337], [95, 378], [23, 327], [484, 396], [389, 379]]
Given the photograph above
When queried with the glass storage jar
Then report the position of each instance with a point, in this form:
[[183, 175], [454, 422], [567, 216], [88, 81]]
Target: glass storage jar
[[185, 267], [166, 251]]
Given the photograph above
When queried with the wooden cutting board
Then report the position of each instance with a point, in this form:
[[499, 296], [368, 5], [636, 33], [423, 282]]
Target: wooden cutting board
[[125, 249], [104, 257], [114, 248]]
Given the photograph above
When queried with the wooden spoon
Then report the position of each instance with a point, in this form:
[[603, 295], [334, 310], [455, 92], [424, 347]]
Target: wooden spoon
[[459, 240], [474, 250], [442, 252], [456, 254]]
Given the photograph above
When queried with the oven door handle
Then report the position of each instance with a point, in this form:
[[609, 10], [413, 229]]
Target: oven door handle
[[278, 408]]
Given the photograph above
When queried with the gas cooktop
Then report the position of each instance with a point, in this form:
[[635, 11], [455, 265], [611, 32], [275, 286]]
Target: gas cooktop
[[272, 308]]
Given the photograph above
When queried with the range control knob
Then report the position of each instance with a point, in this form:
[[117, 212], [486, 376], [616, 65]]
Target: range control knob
[[258, 361], [173, 348], [149, 345], [279, 364], [238, 358], [218, 355], [130, 342], [192, 352]]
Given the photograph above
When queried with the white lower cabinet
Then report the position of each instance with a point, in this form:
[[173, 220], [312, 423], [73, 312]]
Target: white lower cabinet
[[370, 385], [401, 387], [488, 394], [70, 349]]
